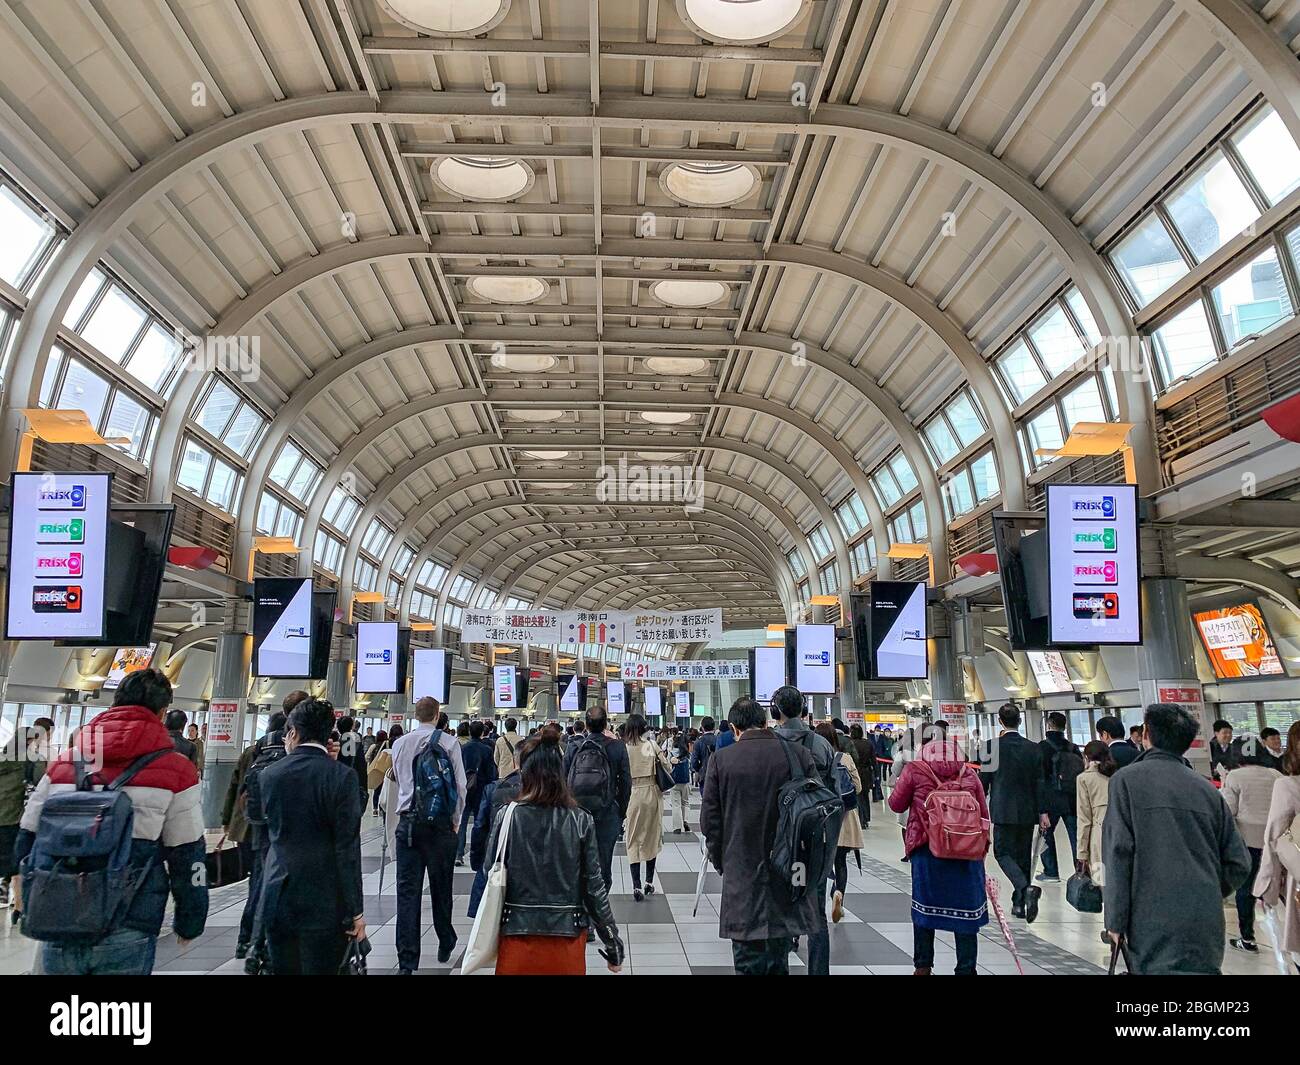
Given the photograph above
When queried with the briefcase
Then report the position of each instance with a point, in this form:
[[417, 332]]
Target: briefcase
[[1083, 894]]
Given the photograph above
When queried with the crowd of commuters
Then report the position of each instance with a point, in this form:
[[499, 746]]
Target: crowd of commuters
[[1142, 827]]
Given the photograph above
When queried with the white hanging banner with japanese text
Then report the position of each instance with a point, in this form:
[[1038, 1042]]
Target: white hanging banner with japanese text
[[730, 669], [689, 626], [510, 626]]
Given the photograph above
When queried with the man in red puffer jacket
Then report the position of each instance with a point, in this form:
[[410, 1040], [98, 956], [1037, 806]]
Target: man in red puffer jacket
[[167, 831]]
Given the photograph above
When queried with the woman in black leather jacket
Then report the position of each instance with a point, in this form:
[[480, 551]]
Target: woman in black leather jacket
[[553, 880]]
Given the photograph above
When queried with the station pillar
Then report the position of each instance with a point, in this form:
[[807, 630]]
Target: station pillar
[[338, 690], [1167, 657], [229, 684], [947, 677]]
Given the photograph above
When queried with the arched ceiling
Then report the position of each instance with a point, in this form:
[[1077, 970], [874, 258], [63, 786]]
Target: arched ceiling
[[907, 181]]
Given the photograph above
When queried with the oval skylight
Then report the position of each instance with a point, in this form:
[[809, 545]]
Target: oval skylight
[[448, 16], [497, 289], [689, 293], [741, 21], [665, 417], [482, 177], [547, 456], [708, 184], [531, 414], [523, 363], [675, 365]]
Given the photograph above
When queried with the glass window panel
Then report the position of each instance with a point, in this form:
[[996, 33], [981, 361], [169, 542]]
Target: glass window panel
[[26, 235], [919, 524], [365, 574], [902, 471], [886, 488], [1056, 340], [222, 487], [114, 324], [1270, 155], [1082, 404], [52, 367], [305, 479], [128, 418], [964, 419], [942, 443], [1244, 717], [83, 389], [1252, 300], [1211, 206], [154, 356], [92, 284], [194, 467], [285, 463], [214, 414], [244, 430], [267, 508], [959, 492], [1020, 371], [1281, 714], [402, 563], [1184, 344], [1148, 260], [984, 474], [287, 522], [1045, 432], [1082, 315]]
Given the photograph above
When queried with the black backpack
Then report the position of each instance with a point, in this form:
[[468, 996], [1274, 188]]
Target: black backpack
[[1067, 766], [589, 775], [807, 831], [254, 810]]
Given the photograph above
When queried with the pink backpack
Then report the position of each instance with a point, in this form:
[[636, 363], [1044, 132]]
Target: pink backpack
[[954, 824]]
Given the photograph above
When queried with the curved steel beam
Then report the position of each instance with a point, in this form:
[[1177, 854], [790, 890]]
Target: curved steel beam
[[539, 601]]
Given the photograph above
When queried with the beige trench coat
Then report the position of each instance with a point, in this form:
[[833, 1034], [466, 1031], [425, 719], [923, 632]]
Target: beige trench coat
[[643, 831], [1272, 883]]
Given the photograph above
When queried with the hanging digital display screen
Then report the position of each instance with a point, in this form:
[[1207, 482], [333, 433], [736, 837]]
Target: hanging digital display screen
[[1049, 671], [377, 658], [572, 693], [1093, 571], [58, 556], [1238, 642], [654, 701], [616, 697], [898, 630], [283, 620], [432, 675], [766, 672], [684, 701]]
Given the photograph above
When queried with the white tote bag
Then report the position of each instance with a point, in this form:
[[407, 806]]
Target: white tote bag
[[485, 936]]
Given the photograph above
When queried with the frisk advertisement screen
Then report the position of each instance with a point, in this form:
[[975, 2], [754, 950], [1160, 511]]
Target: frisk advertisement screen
[[1092, 564]]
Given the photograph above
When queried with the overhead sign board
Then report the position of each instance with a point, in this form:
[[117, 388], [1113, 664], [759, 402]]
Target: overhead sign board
[[1092, 564], [702, 669], [58, 556]]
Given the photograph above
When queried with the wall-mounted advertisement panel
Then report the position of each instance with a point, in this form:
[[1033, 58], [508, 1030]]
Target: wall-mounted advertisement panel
[[432, 675], [58, 556], [282, 626], [814, 659], [378, 658], [509, 688], [615, 697], [766, 672], [898, 632], [1049, 671], [1238, 642], [654, 701], [1093, 569]]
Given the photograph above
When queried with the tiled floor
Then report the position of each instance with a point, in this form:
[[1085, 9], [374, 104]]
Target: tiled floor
[[665, 938]]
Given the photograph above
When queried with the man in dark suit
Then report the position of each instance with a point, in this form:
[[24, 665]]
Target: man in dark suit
[[1014, 782], [739, 818], [1110, 730], [311, 888]]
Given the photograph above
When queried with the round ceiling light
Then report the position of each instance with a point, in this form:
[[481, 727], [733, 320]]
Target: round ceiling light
[[523, 363], [665, 417], [498, 289], [741, 21], [448, 17], [532, 414], [547, 456], [689, 293], [482, 177], [708, 184], [675, 365]]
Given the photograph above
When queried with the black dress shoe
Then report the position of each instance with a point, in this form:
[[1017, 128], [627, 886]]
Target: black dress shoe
[[241, 951], [1032, 895], [405, 972], [444, 953], [1017, 903]]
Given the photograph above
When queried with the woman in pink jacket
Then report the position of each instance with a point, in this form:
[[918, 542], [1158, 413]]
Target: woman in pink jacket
[[947, 894]]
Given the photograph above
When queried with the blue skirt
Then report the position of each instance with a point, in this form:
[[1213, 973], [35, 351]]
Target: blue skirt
[[948, 894]]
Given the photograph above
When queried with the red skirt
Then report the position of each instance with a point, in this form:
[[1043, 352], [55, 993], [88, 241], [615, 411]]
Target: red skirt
[[542, 956]]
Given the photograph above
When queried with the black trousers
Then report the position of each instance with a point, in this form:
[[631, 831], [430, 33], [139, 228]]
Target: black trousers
[[841, 870], [424, 849], [306, 953], [761, 957], [968, 944], [1013, 847], [609, 822], [258, 845], [1246, 897]]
